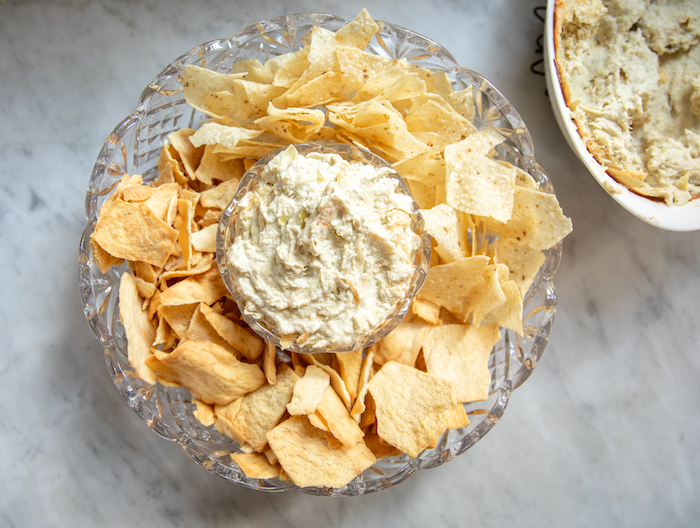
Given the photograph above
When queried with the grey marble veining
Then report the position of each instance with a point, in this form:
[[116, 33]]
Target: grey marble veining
[[605, 433]]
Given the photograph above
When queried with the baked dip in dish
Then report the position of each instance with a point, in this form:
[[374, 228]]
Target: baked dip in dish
[[624, 81]]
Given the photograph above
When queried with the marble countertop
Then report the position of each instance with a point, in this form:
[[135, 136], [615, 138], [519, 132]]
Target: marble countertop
[[606, 432]]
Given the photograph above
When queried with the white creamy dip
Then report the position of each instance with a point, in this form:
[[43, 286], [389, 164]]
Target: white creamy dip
[[323, 248]]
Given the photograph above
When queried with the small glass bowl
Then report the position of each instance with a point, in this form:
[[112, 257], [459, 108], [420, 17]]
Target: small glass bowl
[[226, 235], [134, 146]]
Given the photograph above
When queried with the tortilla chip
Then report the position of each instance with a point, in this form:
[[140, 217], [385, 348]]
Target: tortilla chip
[[486, 295], [537, 220], [357, 67], [439, 119], [295, 125], [410, 405], [333, 412], [139, 331], [206, 288], [522, 261], [348, 366], [449, 284], [426, 310], [209, 91], [260, 410], [359, 31], [268, 363], [308, 391], [212, 374], [449, 229], [255, 465], [312, 457], [476, 184], [463, 102], [460, 354], [509, 314], [131, 231], [401, 345], [426, 167]]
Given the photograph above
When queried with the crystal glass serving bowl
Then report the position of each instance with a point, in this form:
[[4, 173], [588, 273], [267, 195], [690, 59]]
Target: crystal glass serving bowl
[[227, 232], [133, 148]]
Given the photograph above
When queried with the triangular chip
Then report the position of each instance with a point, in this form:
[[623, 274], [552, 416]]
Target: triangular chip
[[213, 133], [209, 91], [449, 284], [212, 374], [207, 288], [460, 354], [242, 339], [509, 314], [537, 220], [449, 230], [401, 345], [312, 457], [359, 31], [334, 414], [308, 391], [410, 405], [486, 295], [348, 366], [255, 465], [476, 184], [523, 261], [260, 410], [131, 231], [440, 119]]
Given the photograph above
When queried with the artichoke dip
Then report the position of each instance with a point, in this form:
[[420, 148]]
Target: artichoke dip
[[323, 249], [630, 72]]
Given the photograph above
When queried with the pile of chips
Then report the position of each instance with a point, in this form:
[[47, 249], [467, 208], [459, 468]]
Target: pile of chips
[[320, 420]]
